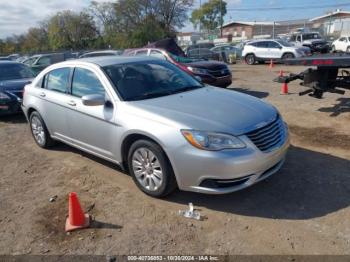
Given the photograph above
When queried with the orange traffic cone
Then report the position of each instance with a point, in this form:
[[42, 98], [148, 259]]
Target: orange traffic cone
[[284, 89], [271, 64], [281, 73], [76, 218]]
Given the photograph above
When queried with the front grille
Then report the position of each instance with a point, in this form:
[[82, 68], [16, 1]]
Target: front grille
[[268, 136], [219, 73]]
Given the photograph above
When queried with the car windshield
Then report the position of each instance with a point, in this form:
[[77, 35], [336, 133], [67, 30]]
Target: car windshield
[[311, 36], [151, 79], [14, 71], [284, 43]]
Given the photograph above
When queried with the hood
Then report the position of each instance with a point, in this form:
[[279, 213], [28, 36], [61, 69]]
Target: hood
[[212, 65], [210, 109], [315, 41], [14, 85]]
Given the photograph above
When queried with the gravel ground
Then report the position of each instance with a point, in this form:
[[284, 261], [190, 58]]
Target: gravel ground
[[303, 209]]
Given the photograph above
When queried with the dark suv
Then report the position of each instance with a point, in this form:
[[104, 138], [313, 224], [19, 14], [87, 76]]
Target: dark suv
[[210, 72]]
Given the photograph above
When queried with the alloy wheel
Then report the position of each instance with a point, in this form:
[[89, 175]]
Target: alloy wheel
[[38, 130], [147, 169]]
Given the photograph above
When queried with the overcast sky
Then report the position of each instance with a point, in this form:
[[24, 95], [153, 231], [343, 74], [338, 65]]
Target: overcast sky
[[16, 16]]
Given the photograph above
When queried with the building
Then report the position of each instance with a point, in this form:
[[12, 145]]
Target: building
[[187, 38], [333, 23]]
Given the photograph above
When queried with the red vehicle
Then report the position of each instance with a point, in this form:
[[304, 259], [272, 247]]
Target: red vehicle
[[211, 72]]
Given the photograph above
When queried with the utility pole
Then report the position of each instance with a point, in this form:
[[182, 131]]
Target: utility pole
[[200, 22], [221, 21]]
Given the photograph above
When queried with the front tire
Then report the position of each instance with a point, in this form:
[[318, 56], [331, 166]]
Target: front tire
[[151, 169], [39, 131], [250, 59]]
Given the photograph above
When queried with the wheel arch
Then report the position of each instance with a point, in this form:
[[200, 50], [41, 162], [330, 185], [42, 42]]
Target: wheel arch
[[135, 136]]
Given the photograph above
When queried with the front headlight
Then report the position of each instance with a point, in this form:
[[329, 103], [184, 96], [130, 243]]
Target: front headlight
[[196, 70], [4, 96], [212, 141]]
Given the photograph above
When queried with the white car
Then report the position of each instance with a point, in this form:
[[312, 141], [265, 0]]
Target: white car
[[342, 44], [275, 49]]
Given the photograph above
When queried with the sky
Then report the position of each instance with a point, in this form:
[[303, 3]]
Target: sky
[[16, 16]]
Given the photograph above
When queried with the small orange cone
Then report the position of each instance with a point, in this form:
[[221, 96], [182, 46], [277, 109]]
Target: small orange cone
[[271, 64], [281, 73], [76, 218], [284, 89]]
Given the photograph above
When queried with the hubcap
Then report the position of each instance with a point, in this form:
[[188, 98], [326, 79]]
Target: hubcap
[[38, 130], [147, 169]]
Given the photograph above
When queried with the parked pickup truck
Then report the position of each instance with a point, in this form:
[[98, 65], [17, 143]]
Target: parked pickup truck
[[313, 40]]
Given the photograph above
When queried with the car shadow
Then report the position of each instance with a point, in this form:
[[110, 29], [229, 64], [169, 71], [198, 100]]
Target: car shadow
[[247, 91], [342, 107], [67, 148], [309, 185], [13, 119]]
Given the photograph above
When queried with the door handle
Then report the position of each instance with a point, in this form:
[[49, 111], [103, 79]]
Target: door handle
[[72, 103], [42, 94]]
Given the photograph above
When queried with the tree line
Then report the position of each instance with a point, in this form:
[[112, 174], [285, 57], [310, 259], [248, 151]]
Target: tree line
[[119, 25]]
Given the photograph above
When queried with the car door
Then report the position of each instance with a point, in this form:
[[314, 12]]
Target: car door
[[274, 50], [261, 50], [53, 99], [92, 127], [342, 44]]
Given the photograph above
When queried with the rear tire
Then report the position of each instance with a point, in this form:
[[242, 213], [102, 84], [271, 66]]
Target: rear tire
[[348, 49], [39, 131], [151, 169], [250, 59]]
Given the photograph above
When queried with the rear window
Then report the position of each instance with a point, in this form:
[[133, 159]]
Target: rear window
[[14, 71], [58, 79]]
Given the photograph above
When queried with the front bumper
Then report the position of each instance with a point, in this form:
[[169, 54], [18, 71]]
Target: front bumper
[[226, 171]]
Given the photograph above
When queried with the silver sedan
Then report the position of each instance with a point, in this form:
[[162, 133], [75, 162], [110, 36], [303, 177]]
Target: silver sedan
[[159, 123]]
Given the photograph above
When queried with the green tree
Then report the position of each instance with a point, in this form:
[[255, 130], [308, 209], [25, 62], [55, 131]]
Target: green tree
[[209, 15], [36, 40], [69, 30], [133, 23]]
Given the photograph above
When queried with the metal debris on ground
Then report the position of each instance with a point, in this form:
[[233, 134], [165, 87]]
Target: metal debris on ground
[[190, 213], [53, 199]]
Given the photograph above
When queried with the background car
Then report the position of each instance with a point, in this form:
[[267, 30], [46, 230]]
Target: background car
[[38, 62], [342, 44], [200, 45], [312, 40], [102, 53], [233, 52], [13, 77], [210, 72], [265, 50], [159, 123], [203, 53]]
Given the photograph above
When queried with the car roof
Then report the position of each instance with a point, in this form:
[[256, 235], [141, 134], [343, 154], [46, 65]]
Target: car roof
[[110, 60]]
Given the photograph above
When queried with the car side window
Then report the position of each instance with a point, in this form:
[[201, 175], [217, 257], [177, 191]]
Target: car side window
[[342, 39], [272, 44], [85, 82], [157, 54], [58, 79], [142, 52], [44, 61], [262, 44]]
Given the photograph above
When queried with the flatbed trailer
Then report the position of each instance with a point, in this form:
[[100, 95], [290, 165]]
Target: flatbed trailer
[[326, 73]]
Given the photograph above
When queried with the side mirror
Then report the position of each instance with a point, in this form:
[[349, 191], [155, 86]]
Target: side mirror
[[93, 100]]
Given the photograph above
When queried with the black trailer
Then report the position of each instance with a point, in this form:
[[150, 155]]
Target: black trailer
[[327, 73]]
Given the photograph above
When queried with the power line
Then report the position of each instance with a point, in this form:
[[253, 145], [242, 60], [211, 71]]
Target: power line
[[287, 7]]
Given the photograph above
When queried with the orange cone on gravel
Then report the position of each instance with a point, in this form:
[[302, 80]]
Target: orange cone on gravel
[[76, 218], [281, 73], [284, 89], [271, 64]]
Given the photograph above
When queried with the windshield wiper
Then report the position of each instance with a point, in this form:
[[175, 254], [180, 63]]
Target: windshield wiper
[[187, 88], [151, 95]]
